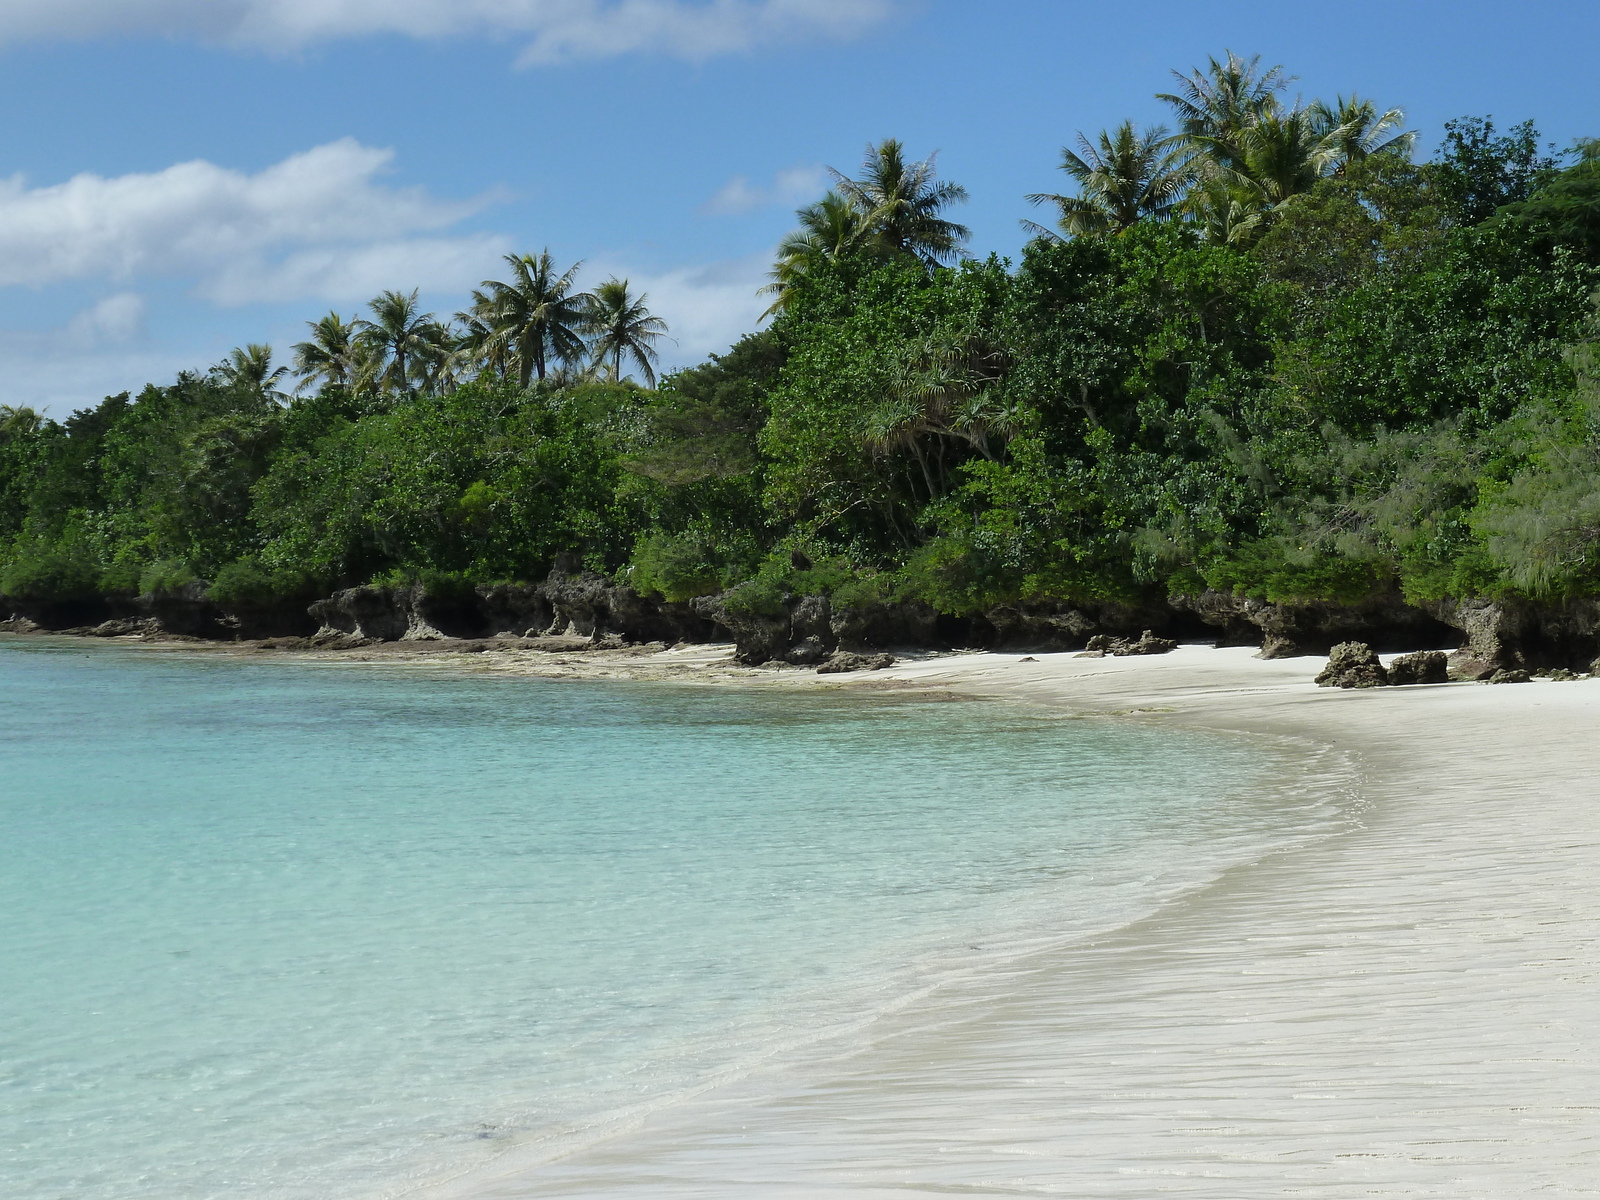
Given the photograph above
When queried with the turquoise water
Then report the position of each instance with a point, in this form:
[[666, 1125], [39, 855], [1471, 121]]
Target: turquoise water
[[293, 931]]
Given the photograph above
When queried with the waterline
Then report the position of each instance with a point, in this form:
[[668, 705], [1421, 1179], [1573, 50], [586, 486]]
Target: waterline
[[286, 932]]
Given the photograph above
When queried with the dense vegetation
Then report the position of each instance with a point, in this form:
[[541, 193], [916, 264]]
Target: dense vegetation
[[1268, 353]]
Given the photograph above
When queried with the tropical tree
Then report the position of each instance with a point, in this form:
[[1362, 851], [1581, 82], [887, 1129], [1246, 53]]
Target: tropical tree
[[624, 328], [830, 229], [250, 367], [538, 313], [1130, 176], [18, 420], [900, 203], [400, 335], [1215, 105], [1359, 130], [330, 356], [482, 340]]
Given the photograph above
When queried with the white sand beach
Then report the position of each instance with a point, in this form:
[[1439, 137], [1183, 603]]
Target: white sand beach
[[1410, 1007]]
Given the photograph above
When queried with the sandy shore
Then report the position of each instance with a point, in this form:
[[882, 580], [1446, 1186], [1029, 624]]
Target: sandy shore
[[1407, 1008], [1410, 1007]]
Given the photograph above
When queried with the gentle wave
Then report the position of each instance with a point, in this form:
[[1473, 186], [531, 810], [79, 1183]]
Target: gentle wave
[[282, 932]]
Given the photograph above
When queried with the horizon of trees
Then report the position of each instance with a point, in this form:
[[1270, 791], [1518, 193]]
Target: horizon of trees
[[1264, 350]]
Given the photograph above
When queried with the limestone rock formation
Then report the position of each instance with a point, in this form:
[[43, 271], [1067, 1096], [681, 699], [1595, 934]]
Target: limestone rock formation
[[1287, 630], [844, 661], [1425, 666], [1353, 665], [1121, 647]]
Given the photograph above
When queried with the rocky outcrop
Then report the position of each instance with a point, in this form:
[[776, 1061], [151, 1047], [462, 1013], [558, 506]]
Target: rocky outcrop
[[842, 663], [1121, 647], [1070, 627], [1286, 630], [1513, 634], [809, 629], [1425, 666], [1353, 665], [515, 608], [865, 627]]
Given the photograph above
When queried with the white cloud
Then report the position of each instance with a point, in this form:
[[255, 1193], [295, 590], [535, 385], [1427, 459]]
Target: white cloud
[[316, 224], [793, 186], [116, 319], [555, 30], [706, 308]]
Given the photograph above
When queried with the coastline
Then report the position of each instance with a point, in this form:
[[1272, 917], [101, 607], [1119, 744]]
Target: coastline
[[1403, 1008]]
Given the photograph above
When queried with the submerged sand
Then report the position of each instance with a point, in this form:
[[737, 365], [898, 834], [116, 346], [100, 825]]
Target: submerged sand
[[1406, 1008]]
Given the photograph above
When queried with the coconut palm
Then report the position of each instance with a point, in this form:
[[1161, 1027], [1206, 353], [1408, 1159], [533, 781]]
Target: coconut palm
[[1128, 177], [18, 420], [330, 355], [1362, 130], [1284, 154], [830, 229], [900, 203], [1218, 103], [1280, 156], [398, 334], [624, 328], [250, 368], [539, 314], [482, 339]]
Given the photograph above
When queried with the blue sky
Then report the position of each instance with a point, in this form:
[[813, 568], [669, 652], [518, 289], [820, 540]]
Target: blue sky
[[181, 176]]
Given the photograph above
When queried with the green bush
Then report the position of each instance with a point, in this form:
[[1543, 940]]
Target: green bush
[[247, 583], [681, 566], [59, 572], [165, 576], [1267, 570]]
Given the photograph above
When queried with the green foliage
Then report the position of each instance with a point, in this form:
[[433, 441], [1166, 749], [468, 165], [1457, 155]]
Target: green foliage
[[1274, 356], [680, 566], [248, 583], [1283, 574]]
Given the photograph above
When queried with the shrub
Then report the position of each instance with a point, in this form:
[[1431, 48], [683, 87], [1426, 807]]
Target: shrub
[[165, 576], [681, 566], [60, 572], [247, 583]]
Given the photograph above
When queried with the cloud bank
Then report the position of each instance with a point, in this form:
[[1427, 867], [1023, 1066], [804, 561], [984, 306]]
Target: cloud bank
[[552, 31], [739, 196], [316, 225]]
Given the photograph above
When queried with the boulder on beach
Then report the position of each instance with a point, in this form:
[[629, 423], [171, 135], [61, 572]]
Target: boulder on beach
[[842, 662], [1425, 666], [1353, 665], [1121, 647]]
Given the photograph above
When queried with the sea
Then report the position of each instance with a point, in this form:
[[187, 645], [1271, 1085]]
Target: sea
[[288, 930]]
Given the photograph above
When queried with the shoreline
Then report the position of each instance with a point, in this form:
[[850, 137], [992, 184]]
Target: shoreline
[[1407, 1007]]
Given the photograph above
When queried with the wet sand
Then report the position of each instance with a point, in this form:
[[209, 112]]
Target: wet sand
[[1407, 1008]]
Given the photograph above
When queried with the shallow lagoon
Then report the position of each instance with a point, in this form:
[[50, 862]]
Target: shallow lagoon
[[290, 930]]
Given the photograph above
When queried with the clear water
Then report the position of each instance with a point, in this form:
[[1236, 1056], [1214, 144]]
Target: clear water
[[273, 930]]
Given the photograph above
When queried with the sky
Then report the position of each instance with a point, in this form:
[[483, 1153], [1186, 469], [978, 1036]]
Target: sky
[[178, 177]]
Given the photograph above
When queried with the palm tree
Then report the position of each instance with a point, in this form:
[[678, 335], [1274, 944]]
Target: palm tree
[[250, 367], [330, 354], [900, 203], [398, 332], [18, 420], [539, 314], [1362, 130], [1217, 104], [1128, 177], [1284, 154], [624, 329], [483, 340], [830, 229]]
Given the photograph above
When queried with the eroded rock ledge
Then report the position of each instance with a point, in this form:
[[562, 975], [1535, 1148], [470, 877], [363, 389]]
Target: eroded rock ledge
[[1490, 635]]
